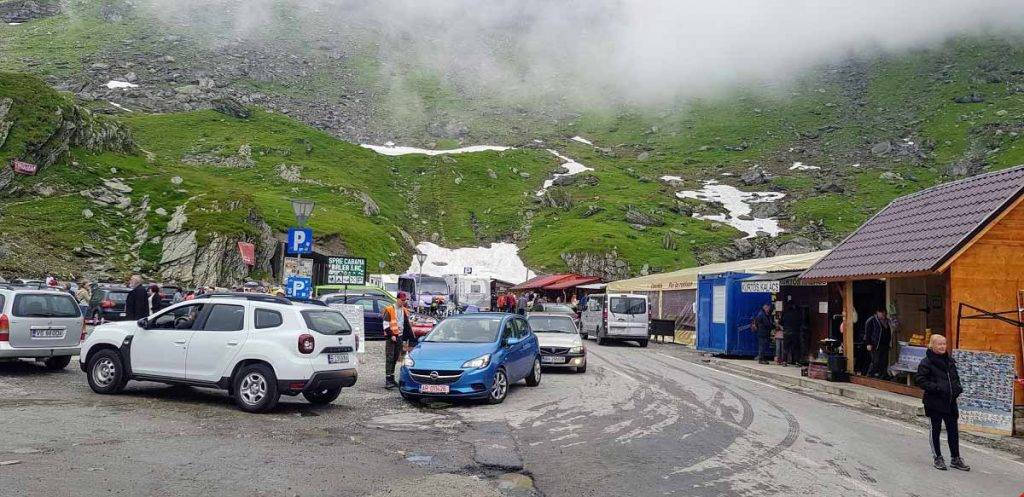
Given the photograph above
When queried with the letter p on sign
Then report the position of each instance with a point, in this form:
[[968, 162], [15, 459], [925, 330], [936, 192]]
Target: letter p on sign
[[300, 240]]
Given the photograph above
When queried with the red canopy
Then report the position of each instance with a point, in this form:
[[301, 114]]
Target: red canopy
[[573, 281], [541, 281]]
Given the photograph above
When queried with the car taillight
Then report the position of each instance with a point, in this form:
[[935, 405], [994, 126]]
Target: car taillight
[[107, 304], [5, 328], [306, 343], [82, 336]]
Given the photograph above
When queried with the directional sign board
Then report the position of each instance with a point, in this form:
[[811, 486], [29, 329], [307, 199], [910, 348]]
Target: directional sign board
[[300, 240], [299, 287], [346, 271]]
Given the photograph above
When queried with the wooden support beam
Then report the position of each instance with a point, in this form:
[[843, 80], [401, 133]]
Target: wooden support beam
[[848, 309]]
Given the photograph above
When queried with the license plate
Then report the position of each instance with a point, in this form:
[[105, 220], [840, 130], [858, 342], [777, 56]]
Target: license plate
[[337, 358], [122, 314], [48, 333], [435, 388], [552, 359]]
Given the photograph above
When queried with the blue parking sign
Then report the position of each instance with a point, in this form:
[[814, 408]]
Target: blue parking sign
[[300, 240], [299, 287]]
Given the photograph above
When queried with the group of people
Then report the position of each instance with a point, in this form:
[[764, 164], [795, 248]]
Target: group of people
[[787, 335], [509, 302]]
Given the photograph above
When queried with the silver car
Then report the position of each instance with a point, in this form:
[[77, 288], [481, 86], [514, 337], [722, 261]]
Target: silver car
[[45, 325], [560, 343]]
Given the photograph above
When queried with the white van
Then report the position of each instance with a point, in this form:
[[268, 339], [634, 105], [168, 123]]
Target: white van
[[617, 316]]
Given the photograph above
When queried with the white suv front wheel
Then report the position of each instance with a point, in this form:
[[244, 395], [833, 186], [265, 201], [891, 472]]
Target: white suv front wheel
[[255, 388], [106, 372]]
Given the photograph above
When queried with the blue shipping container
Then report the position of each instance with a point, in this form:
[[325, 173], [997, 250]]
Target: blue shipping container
[[724, 313]]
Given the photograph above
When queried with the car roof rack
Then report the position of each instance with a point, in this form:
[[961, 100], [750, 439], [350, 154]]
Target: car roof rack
[[253, 297]]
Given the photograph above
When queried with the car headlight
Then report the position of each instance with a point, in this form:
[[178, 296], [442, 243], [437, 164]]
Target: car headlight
[[408, 362], [576, 350], [479, 362]]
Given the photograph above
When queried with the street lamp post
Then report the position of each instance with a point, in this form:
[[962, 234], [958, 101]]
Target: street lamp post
[[420, 258], [303, 209]]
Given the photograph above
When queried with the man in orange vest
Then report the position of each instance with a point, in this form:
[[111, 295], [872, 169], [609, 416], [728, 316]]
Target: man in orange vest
[[397, 331]]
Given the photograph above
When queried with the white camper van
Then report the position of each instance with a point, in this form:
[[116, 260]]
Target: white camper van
[[616, 316], [468, 290]]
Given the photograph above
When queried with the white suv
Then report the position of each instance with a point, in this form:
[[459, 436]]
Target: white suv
[[257, 347]]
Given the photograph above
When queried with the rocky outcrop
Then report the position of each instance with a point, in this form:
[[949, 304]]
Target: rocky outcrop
[[28, 10], [231, 107], [78, 127], [607, 265], [187, 259], [636, 216]]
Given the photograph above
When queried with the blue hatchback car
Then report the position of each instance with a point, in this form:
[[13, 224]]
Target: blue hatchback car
[[472, 356]]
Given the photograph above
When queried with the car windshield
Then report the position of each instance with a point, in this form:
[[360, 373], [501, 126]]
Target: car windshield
[[433, 286], [117, 297], [557, 308], [326, 322], [56, 305], [465, 330], [628, 305], [551, 324]]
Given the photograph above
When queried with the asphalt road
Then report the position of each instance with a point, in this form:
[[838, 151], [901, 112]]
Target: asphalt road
[[650, 421]]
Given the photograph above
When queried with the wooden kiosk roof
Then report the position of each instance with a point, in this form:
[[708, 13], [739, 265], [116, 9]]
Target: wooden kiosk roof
[[920, 232]]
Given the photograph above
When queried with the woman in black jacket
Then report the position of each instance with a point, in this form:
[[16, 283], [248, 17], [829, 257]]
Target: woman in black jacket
[[938, 377]]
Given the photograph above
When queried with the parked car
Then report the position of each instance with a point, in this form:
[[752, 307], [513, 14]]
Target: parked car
[[373, 313], [256, 347], [167, 294], [472, 356], [323, 290], [561, 345], [617, 316], [40, 324], [112, 305], [557, 308]]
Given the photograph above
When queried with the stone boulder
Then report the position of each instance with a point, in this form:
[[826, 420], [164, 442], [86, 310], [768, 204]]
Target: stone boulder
[[756, 175], [231, 107], [636, 216]]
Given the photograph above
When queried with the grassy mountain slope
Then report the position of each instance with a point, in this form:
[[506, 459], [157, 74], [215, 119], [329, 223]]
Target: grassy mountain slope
[[878, 127]]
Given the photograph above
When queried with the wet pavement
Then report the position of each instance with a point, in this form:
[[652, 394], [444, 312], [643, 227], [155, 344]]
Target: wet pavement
[[652, 421]]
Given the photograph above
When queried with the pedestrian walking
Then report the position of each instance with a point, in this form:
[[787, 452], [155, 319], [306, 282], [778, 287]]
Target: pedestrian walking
[[399, 332], [136, 305], [155, 302], [792, 322], [95, 301], [521, 304], [763, 326], [937, 375], [878, 336]]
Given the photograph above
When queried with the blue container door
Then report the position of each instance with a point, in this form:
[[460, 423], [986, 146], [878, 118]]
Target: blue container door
[[745, 307], [719, 315], [704, 316]]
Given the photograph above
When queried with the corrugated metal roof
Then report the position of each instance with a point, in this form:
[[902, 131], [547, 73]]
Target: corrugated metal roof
[[572, 282], [686, 279], [541, 281], [918, 232]]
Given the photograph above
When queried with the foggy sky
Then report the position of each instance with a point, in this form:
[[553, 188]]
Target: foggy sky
[[639, 50]]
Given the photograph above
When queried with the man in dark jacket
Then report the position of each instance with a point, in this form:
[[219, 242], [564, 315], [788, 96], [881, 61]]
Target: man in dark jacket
[[764, 326], [792, 324], [937, 375], [878, 337], [136, 305]]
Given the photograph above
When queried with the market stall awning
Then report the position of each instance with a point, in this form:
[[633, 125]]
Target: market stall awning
[[918, 233], [686, 279], [573, 281], [541, 281]]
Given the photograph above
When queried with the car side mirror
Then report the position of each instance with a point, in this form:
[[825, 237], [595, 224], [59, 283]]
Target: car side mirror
[[510, 341], [143, 323]]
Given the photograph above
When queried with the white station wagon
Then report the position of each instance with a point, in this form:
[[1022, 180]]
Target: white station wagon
[[257, 347]]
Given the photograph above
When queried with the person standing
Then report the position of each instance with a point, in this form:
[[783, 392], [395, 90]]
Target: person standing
[[500, 303], [178, 297], [136, 305], [764, 326], [510, 300], [792, 321], [397, 329], [521, 304], [155, 301], [937, 375], [95, 301], [878, 336]]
